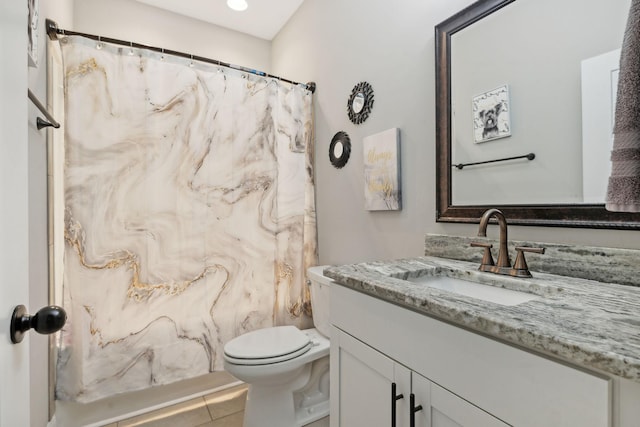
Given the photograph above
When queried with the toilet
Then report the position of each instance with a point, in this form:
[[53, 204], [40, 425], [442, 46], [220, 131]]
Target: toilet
[[287, 369]]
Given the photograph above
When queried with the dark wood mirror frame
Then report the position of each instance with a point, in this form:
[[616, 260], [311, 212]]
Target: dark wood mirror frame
[[556, 215]]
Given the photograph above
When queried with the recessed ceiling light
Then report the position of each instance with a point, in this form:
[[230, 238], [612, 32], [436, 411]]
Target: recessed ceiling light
[[238, 5]]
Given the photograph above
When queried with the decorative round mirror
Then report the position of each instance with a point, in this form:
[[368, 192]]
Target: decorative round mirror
[[360, 102], [339, 149]]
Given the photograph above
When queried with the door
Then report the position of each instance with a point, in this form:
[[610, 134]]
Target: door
[[367, 388], [14, 253], [441, 408]]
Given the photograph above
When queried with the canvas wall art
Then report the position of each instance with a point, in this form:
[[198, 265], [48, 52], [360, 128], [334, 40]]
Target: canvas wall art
[[382, 181]]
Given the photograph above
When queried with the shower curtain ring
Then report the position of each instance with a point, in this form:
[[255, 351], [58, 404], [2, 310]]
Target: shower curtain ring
[[162, 55], [191, 64], [99, 45], [131, 48]]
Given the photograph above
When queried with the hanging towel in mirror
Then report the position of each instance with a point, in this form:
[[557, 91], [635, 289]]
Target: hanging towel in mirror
[[623, 192]]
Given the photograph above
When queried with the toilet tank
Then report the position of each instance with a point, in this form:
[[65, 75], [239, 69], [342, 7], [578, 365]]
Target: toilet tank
[[320, 289]]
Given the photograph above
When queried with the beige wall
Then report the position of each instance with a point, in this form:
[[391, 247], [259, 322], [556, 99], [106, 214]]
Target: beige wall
[[130, 20], [390, 45]]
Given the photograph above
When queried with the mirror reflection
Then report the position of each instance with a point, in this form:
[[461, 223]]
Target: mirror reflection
[[358, 103], [557, 61], [338, 149]]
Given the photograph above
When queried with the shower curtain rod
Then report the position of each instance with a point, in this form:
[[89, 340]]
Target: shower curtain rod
[[53, 31]]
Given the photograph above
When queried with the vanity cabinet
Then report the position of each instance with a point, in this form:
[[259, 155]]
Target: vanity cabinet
[[460, 378], [374, 390]]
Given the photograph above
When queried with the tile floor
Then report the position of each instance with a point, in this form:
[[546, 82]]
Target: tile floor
[[222, 409]]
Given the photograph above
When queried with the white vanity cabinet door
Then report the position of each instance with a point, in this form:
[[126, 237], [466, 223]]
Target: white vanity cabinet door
[[361, 385], [441, 408]]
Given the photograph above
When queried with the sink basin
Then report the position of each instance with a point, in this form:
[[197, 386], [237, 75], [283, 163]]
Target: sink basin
[[475, 290]]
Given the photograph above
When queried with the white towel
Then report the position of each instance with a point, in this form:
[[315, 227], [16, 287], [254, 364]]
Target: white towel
[[623, 193]]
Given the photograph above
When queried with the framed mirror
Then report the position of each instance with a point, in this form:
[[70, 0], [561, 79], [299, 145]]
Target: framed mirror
[[360, 102], [340, 149], [496, 43]]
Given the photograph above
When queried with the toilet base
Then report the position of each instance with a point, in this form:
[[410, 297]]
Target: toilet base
[[298, 403]]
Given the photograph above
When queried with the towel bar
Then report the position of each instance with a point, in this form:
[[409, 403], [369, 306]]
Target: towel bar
[[39, 122], [529, 156]]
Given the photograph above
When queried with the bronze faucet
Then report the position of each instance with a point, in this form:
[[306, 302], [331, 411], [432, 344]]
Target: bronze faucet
[[503, 253], [503, 266]]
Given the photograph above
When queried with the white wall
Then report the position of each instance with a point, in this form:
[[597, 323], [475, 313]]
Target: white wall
[[130, 20], [390, 45]]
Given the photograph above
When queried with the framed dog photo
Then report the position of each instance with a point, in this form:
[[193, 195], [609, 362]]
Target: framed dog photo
[[32, 31], [491, 118]]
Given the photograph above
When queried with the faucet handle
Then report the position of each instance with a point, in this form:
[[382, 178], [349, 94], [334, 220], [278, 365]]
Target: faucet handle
[[487, 259], [520, 268]]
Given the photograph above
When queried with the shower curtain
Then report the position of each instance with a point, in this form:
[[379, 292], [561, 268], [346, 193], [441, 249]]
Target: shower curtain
[[189, 215]]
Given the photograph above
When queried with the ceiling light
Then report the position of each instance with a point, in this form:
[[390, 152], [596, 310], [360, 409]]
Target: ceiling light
[[238, 5]]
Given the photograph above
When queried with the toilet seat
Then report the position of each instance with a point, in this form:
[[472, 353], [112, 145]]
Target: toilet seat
[[266, 346]]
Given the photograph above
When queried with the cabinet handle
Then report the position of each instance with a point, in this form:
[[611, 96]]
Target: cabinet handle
[[394, 398], [413, 409]]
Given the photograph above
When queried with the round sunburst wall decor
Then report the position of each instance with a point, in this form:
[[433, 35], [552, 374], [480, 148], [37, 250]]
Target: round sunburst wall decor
[[360, 102], [340, 149]]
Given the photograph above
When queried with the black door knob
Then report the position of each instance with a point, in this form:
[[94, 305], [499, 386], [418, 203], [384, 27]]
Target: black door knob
[[47, 320]]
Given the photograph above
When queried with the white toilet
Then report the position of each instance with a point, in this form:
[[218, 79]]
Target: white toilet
[[287, 369]]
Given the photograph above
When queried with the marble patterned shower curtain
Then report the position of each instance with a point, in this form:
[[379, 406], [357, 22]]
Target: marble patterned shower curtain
[[189, 215]]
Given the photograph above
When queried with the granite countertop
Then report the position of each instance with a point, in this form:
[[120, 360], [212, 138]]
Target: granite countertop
[[588, 323]]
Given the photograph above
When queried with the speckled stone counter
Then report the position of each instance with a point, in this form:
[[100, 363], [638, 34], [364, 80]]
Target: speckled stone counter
[[610, 265], [588, 323]]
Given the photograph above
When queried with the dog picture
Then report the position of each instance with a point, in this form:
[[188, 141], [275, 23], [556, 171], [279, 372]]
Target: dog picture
[[491, 115], [489, 119]]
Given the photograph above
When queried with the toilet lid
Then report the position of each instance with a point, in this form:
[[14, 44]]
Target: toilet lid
[[269, 343]]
